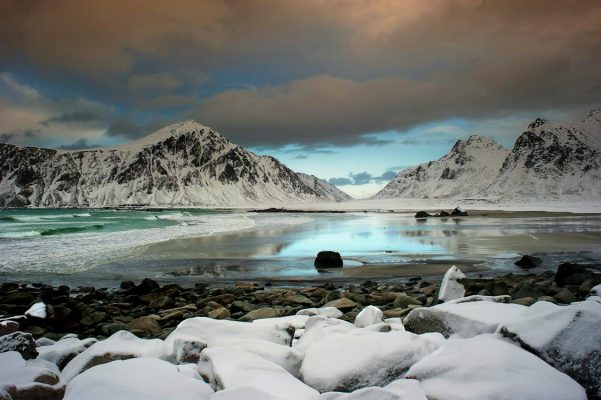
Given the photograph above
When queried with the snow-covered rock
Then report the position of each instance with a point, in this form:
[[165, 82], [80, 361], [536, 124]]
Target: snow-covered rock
[[21, 342], [331, 312], [468, 168], [20, 379], [120, 346], [38, 310], [463, 319], [318, 328], [230, 368], [370, 315], [138, 378], [401, 389], [567, 337], [63, 351], [245, 393], [360, 358], [484, 367], [450, 287], [595, 291], [182, 164]]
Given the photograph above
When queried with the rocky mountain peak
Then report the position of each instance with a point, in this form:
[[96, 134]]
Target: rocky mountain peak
[[537, 122]]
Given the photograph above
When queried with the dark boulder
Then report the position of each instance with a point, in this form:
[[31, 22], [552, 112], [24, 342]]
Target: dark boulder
[[443, 214], [528, 262], [147, 286], [328, 259], [422, 214], [572, 274]]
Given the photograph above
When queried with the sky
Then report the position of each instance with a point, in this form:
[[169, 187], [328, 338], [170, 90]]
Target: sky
[[352, 91]]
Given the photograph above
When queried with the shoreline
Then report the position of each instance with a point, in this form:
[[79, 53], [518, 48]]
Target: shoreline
[[149, 309]]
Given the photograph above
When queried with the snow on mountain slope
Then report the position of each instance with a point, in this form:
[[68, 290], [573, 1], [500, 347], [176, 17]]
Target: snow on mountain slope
[[553, 160], [323, 188], [184, 164], [467, 169]]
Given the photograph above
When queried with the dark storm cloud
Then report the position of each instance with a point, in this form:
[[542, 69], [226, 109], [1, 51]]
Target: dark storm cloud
[[80, 144], [316, 71], [340, 181], [128, 128], [10, 137], [361, 178], [75, 117], [386, 176]]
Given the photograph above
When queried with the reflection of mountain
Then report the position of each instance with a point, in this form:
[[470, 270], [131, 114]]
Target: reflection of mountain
[[548, 161], [182, 164]]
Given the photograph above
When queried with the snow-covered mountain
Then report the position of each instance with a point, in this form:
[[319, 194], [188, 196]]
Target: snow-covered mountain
[[548, 161], [467, 169], [324, 189], [553, 160], [184, 164]]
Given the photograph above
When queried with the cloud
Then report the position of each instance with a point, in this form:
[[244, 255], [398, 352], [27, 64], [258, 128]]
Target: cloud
[[79, 144], [340, 181], [361, 178], [314, 71], [387, 176], [74, 117], [153, 82], [128, 128], [301, 157]]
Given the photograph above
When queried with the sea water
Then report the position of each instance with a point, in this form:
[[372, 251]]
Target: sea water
[[87, 246]]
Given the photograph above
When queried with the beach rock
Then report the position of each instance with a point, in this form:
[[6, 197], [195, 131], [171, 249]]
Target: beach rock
[[127, 285], [231, 368], [343, 304], [422, 215], [8, 326], [328, 259], [141, 378], [376, 358], [298, 299], [572, 274], [565, 297], [484, 367], [20, 342], [220, 313], [265, 312], [122, 345], [402, 300], [567, 337], [525, 290], [63, 351], [458, 212], [451, 288], [370, 315], [147, 325], [18, 297], [146, 286], [464, 319], [525, 301], [162, 302], [444, 214], [527, 262]]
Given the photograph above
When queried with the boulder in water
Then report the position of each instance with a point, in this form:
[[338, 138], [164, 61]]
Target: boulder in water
[[328, 259]]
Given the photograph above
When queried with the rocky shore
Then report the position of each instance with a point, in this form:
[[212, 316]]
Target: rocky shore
[[553, 316]]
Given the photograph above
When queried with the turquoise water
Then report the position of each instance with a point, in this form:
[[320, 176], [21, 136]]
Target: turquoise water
[[21, 223], [87, 246]]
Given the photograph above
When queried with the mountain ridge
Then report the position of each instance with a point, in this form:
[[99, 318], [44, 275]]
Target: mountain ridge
[[185, 164], [549, 160]]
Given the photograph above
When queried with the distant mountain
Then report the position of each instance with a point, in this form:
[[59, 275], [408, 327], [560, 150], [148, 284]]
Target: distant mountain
[[548, 161], [553, 160], [467, 169], [323, 188], [185, 164]]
